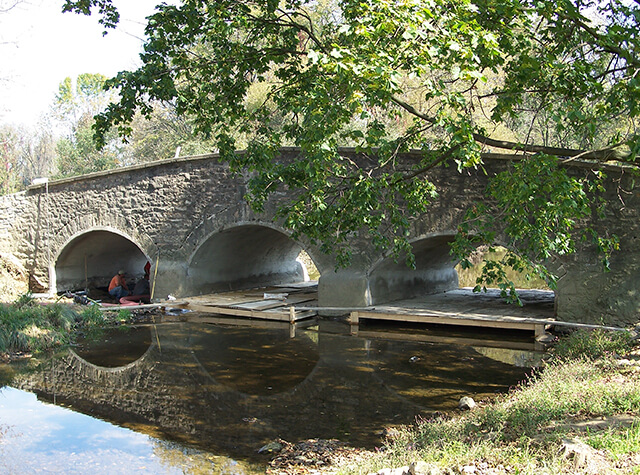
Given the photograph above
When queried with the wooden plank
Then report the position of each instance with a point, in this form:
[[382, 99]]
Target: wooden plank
[[354, 318], [253, 300], [241, 322], [260, 304], [223, 299], [273, 303], [476, 321], [280, 314], [305, 314], [115, 307], [305, 286], [298, 315], [467, 315]]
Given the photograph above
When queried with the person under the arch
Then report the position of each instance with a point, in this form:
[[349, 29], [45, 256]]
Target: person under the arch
[[142, 290], [118, 286]]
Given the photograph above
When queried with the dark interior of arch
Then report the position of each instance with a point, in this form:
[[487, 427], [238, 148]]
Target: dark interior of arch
[[245, 257], [92, 259], [434, 272]]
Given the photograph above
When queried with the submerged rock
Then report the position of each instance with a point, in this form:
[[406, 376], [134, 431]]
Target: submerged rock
[[272, 447]]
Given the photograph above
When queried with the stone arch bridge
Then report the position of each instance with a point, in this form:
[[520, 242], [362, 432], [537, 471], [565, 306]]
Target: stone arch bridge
[[188, 217]]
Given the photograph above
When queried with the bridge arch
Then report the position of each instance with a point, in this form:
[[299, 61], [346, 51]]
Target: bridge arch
[[246, 255], [92, 257], [435, 271], [391, 279]]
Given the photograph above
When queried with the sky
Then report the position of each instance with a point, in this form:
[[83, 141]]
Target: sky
[[40, 46]]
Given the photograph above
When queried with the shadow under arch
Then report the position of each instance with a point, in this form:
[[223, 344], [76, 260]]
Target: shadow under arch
[[91, 258], [245, 256], [434, 271], [437, 271]]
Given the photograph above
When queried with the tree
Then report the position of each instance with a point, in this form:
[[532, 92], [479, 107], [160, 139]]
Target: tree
[[75, 105], [84, 95], [25, 154], [555, 82], [163, 134], [78, 155]]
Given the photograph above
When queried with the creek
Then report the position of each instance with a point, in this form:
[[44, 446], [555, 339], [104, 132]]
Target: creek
[[204, 398]]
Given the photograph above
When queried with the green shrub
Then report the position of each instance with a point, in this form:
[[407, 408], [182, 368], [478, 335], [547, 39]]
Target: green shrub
[[91, 315], [26, 326], [522, 429], [124, 316], [25, 300]]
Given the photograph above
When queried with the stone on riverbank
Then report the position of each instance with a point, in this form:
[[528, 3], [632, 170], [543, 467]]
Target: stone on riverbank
[[466, 403]]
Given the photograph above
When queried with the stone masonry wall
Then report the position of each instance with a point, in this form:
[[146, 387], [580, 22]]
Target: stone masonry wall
[[170, 208]]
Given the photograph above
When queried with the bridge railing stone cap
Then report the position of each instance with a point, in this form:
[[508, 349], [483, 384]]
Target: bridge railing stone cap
[[284, 150]]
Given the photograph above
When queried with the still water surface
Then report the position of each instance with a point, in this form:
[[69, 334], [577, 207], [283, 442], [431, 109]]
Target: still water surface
[[203, 398]]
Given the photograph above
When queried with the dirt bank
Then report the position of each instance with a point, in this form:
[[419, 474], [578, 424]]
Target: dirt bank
[[14, 280]]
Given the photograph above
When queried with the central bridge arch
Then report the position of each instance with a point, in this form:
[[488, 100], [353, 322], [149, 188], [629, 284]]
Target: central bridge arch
[[245, 256], [391, 279]]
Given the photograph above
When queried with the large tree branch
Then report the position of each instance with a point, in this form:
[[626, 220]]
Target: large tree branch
[[605, 154]]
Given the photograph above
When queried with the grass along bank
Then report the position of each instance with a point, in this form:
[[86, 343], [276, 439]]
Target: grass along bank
[[27, 326], [577, 414]]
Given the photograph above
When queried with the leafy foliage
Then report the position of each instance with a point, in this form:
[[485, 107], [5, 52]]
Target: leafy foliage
[[110, 15], [452, 78], [77, 153], [162, 135], [76, 103], [27, 326], [30, 326]]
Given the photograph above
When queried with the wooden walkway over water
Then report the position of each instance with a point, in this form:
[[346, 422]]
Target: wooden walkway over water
[[290, 303], [463, 307], [460, 307]]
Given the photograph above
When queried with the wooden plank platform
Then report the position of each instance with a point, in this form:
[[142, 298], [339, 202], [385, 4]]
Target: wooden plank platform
[[241, 322], [459, 307], [462, 307], [259, 303], [478, 320]]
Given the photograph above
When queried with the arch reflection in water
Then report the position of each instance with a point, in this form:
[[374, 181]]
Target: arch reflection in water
[[115, 347], [255, 363], [231, 390]]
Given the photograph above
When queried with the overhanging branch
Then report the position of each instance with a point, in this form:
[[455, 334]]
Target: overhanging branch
[[604, 154]]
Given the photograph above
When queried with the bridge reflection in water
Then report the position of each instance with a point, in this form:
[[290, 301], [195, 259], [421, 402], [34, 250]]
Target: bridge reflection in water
[[230, 390]]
